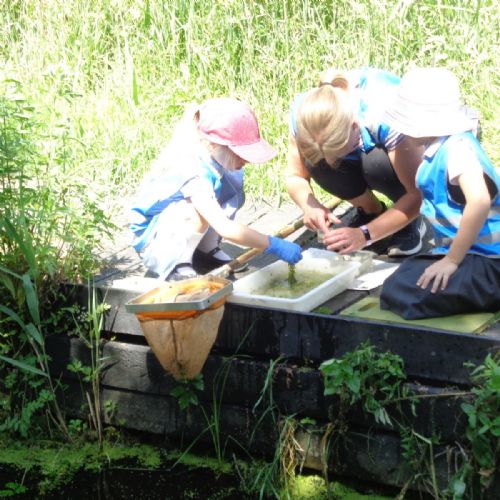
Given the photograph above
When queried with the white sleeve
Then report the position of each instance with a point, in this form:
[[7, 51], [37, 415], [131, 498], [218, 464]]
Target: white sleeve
[[460, 158]]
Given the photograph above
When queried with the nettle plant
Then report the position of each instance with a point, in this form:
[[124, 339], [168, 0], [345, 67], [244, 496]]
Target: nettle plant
[[376, 380], [367, 377]]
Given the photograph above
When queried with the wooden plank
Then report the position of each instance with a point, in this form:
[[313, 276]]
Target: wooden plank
[[367, 454], [310, 338], [427, 354], [240, 381]]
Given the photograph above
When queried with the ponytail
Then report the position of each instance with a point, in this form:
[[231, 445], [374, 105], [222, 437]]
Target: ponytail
[[324, 118], [335, 79]]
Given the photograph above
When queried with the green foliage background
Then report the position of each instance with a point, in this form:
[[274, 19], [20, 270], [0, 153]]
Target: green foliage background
[[119, 72]]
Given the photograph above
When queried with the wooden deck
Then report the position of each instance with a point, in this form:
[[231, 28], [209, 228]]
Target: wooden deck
[[250, 341]]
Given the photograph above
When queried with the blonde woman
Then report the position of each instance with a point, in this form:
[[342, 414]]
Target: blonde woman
[[338, 139], [190, 198]]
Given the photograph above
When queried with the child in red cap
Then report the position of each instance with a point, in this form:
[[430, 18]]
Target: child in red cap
[[189, 200]]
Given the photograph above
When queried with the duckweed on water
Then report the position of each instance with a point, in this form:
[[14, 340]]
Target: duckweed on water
[[51, 470], [56, 465], [314, 487]]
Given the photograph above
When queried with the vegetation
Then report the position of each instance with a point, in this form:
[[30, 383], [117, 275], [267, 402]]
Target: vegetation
[[89, 93], [118, 74], [377, 380]]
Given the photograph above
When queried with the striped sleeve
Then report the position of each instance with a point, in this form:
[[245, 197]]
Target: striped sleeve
[[392, 139]]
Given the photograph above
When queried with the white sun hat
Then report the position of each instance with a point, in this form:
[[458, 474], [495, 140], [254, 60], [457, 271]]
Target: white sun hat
[[428, 104]]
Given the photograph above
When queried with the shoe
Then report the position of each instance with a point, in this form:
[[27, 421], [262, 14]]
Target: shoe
[[361, 217], [204, 262], [407, 241], [182, 271]]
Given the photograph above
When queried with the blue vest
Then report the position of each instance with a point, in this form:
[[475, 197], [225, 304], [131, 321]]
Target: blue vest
[[159, 192], [443, 212]]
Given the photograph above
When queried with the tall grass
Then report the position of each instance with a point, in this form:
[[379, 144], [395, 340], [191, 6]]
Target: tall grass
[[130, 66]]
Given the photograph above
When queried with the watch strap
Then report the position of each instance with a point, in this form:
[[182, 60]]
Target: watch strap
[[366, 234]]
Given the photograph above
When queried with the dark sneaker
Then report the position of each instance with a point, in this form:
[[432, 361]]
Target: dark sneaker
[[407, 241], [361, 217], [204, 262], [182, 272]]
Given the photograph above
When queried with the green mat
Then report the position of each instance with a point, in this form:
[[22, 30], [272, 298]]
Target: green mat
[[369, 308]]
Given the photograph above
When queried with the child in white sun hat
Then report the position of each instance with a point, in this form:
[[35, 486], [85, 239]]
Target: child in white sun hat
[[190, 198], [461, 200]]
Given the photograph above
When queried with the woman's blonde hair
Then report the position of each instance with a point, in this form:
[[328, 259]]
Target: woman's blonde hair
[[324, 118]]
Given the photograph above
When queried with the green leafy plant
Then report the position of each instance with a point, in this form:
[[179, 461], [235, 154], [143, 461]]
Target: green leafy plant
[[49, 230], [12, 489], [186, 391], [483, 424], [37, 365], [375, 380], [50, 223], [367, 377]]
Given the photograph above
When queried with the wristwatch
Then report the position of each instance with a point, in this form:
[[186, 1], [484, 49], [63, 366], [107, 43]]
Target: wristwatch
[[366, 234]]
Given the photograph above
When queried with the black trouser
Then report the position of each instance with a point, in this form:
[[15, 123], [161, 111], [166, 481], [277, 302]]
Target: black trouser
[[473, 287], [351, 178]]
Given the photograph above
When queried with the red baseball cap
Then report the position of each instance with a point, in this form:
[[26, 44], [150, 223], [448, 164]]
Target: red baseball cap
[[232, 123]]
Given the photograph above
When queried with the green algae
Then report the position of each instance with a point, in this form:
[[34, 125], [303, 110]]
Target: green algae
[[313, 487], [55, 464], [304, 282], [199, 461]]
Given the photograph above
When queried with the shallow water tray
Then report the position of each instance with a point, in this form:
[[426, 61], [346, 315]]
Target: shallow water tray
[[342, 272]]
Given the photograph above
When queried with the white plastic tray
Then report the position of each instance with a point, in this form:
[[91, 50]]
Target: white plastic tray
[[314, 259]]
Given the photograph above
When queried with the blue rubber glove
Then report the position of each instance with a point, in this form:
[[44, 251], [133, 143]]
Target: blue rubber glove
[[285, 250]]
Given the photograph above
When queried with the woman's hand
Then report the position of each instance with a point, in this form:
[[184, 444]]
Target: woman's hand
[[438, 273], [319, 218], [344, 239]]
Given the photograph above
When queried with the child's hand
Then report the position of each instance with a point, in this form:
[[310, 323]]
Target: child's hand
[[285, 250], [440, 272]]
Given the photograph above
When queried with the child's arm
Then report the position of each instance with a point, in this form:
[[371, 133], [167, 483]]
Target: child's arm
[[477, 206], [210, 210]]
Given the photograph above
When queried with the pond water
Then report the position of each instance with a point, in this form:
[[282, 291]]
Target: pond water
[[305, 281], [179, 483], [126, 483]]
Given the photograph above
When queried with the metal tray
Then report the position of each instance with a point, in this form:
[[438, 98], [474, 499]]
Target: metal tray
[[147, 301]]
